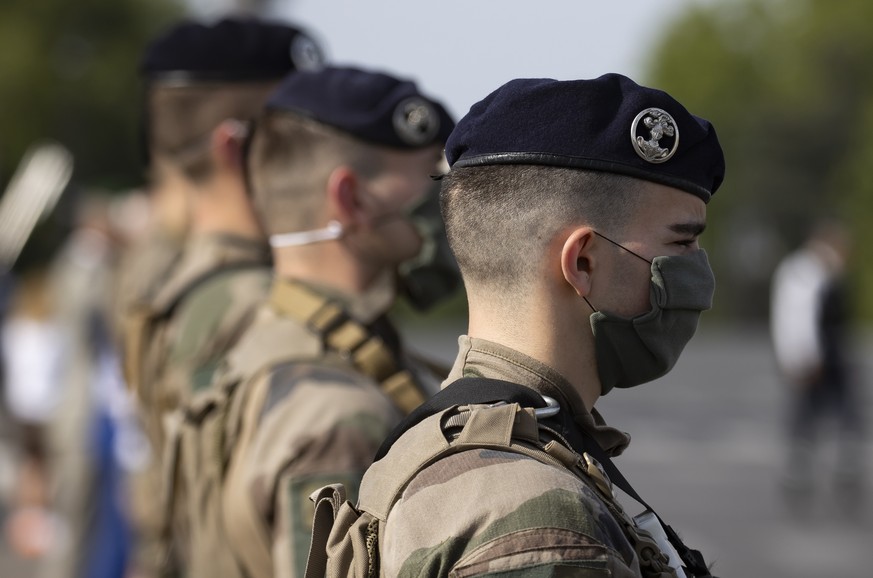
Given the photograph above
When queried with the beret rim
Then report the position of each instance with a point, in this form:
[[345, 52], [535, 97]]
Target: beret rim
[[567, 161], [358, 103], [189, 77], [303, 114]]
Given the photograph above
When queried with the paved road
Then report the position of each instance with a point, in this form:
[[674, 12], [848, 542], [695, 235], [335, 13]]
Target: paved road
[[707, 452]]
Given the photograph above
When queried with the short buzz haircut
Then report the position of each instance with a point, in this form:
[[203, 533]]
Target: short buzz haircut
[[500, 219], [181, 120], [289, 162]]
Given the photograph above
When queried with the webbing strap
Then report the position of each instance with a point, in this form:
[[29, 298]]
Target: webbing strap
[[468, 390], [505, 427], [166, 307], [141, 319], [135, 325], [351, 339], [327, 503]]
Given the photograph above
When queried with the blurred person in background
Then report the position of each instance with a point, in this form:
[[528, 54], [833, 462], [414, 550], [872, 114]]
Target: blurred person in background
[[811, 325], [33, 350], [67, 390], [203, 82]]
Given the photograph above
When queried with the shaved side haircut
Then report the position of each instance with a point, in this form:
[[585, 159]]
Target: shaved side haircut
[[500, 219], [289, 162], [181, 120]]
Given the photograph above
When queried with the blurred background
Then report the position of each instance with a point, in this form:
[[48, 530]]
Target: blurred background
[[788, 85]]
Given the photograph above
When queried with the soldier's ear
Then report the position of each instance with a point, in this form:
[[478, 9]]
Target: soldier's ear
[[343, 191], [577, 260], [226, 145]]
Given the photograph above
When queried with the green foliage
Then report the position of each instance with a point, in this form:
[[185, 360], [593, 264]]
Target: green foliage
[[789, 86], [68, 71]]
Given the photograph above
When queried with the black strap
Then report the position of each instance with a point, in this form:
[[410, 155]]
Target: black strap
[[582, 441], [464, 391], [480, 390]]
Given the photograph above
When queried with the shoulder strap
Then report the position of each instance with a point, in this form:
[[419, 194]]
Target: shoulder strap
[[142, 317], [351, 339], [328, 501], [464, 391], [164, 308], [503, 427], [467, 391]]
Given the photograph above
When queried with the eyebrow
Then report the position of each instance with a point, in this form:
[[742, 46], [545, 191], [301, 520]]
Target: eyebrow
[[695, 229]]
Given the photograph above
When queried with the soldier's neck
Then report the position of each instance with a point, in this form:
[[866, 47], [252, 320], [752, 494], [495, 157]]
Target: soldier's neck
[[327, 264], [537, 328], [170, 208], [223, 206]]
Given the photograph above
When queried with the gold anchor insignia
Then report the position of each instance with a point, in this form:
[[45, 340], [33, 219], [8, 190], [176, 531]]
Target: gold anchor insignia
[[660, 126]]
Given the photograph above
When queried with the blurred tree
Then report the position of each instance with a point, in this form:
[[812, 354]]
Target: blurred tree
[[788, 84], [68, 71]]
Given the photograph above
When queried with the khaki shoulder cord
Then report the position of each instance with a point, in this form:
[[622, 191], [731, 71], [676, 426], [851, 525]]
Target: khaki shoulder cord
[[351, 339]]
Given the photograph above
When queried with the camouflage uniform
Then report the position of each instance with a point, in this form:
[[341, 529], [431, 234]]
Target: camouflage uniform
[[197, 316], [175, 343], [142, 269], [298, 414], [509, 512]]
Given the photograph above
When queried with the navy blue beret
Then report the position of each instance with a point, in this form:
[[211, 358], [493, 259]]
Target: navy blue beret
[[372, 106], [230, 50], [607, 124]]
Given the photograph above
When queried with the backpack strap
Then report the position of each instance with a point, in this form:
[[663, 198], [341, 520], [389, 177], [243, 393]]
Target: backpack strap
[[503, 427], [136, 328], [351, 339], [142, 318], [328, 501], [596, 463]]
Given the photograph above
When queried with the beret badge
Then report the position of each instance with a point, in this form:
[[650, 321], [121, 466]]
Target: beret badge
[[305, 53], [416, 121], [654, 135]]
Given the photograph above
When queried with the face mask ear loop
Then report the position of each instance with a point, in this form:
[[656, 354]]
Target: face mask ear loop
[[620, 246], [593, 310], [334, 230]]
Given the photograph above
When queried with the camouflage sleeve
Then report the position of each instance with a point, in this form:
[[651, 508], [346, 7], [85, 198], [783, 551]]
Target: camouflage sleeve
[[316, 425], [207, 323], [485, 512]]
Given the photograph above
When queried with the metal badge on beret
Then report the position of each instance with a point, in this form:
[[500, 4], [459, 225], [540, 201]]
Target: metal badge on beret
[[305, 54], [654, 135], [416, 121]]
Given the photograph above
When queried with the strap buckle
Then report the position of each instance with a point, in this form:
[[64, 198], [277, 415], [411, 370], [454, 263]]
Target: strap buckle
[[326, 319], [552, 408], [596, 472]]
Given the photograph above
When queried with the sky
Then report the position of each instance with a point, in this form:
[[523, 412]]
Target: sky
[[460, 50]]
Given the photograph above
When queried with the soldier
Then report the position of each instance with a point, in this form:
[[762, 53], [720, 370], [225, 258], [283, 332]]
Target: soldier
[[574, 211], [340, 167], [203, 84]]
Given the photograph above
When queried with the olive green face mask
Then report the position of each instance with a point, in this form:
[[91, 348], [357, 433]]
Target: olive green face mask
[[633, 351], [433, 275]]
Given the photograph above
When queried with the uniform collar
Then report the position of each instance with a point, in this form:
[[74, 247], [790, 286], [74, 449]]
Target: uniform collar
[[207, 252], [483, 358]]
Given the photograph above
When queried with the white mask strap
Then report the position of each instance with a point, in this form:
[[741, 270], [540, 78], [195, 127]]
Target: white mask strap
[[334, 230]]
